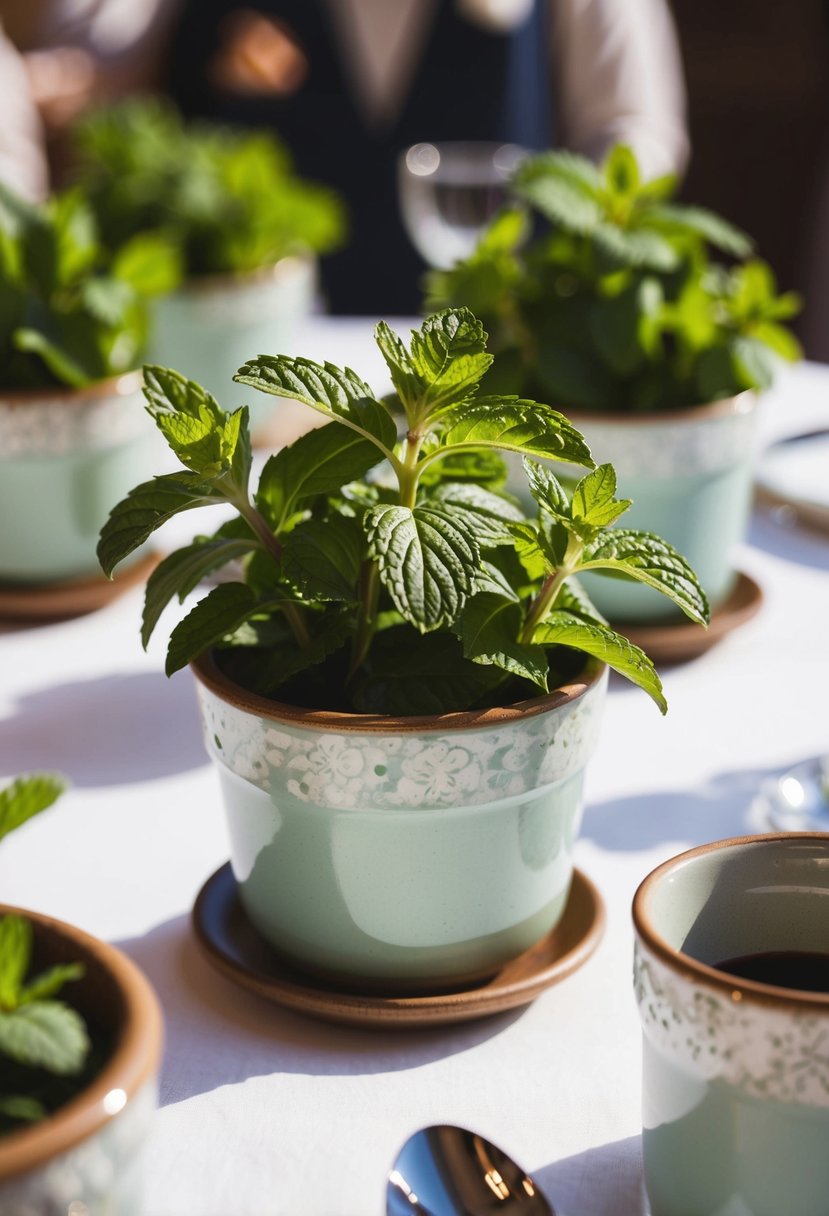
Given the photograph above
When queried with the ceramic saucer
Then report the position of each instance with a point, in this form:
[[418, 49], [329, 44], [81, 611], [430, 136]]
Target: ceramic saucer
[[72, 597], [791, 480], [669, 643], [235, 949]]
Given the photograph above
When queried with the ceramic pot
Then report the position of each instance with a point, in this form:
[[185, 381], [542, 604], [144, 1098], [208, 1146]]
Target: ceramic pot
[[736, 1071], [689, 473], [87, 1157], [214, 324], [67, 456], [401, 852]]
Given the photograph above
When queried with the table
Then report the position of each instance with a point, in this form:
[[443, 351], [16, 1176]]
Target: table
[[264, 1113]]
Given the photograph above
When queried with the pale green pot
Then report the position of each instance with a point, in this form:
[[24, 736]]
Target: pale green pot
[[89, 1157], [406, 851], [209, 328], [689, 474], [67, 456], [735, 1072]]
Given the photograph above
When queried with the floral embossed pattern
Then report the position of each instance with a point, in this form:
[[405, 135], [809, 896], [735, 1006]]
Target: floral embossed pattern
[[55, 426], [347, 770], [767, 1052], [703, 444]]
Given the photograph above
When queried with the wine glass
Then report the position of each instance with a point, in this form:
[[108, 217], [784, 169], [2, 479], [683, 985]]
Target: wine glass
[[798, 799], [449, 191]]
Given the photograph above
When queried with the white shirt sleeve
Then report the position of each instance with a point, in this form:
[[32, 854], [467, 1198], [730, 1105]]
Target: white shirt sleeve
[[23, 164], [620, 80]]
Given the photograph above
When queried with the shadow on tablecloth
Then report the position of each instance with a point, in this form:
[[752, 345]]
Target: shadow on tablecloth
[[218, 1034], [603, 1181], [110, 730]]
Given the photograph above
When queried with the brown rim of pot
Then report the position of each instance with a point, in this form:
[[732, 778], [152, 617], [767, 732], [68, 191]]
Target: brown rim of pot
[[741, 403], [204, 284], [701, 973], [122, 385], [208, 673], [134, 1060]]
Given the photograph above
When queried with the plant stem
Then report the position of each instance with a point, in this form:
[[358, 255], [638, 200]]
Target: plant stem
[[292, 612], [542, 603], [408, 473], [367, 620]]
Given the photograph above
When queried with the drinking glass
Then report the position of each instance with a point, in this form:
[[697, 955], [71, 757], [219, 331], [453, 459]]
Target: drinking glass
[[448, 192]]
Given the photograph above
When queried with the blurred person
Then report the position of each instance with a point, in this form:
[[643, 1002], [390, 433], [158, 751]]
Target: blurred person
[[348, 84]]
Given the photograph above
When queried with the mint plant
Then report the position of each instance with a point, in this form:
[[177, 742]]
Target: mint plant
[[227, 199], [44, 1044], [616, 302], [392, 573], [70, 312]]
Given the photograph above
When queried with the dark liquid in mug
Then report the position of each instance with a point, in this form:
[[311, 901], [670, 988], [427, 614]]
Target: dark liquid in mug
[[808, 972]]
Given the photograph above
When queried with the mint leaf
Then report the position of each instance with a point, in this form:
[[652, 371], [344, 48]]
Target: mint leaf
[[21, 1108], [45, 1034], [15, 955], [264, 665], [427, 562], [636, 248], [547, 490], [26, 797], [449, 355], [564, 629], [621, 171], [489, 628], [319, 462], [515, 425], [407, 383], [595, 505], [63, 365], [183, 570], [574, 599], [220, 612], [133, 520], [323, 558], [412, 675], [676, 218], [339, 394], [150, 263], [650, 560], [50, 982], [485, 514], [563, 188], [203, 436]]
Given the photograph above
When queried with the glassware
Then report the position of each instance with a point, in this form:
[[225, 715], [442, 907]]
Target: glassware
[[449, 191]]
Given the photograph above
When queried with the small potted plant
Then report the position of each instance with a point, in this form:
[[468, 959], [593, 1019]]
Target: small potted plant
[[403, 686], [247, 229], [72, 333], [78, 1075], [616, 311]]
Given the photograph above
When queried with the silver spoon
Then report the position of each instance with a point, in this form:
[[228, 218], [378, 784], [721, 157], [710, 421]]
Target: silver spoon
[[448, 1171]]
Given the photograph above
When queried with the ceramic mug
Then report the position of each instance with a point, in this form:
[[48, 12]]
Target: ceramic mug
[[735, 1070]]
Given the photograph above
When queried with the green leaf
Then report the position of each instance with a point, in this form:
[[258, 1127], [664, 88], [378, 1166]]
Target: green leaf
[[26, 797], [15, 956], [183, 570], [635, 247], [203, 436], [489, 628], [650, 560], [754, 362], [449, 355], [700, 222], [411, 675], [339, 394], [49, 982], [574, 599], [621, 172], [407, 383], [564, 188], [76, 246], [323, 558], [63, 366], [150, 263], [45, 1034], [221, 612], [516, 425], [505, 232], [319, 462], [427, 562], [575, 378], [146, 508], [564, 629], [21, 1108], [265, 668], [594, 500], [485, 514], [547, 490], [779, 340]]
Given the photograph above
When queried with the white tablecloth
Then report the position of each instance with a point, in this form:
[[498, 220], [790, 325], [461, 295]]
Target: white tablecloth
[[264, 1112]]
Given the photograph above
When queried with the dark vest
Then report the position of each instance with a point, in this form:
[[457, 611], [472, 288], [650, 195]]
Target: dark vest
[[470, 84]]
